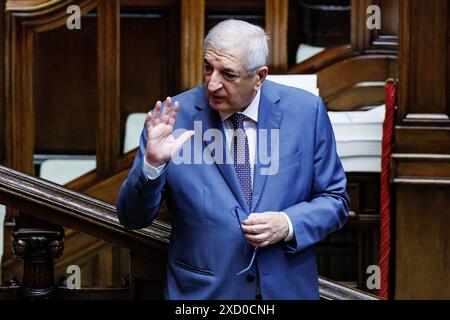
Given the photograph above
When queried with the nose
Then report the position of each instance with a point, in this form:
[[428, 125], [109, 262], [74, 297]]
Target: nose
[[215, 82]]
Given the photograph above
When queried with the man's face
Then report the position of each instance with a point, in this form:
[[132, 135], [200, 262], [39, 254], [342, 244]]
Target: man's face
[[229, 88]]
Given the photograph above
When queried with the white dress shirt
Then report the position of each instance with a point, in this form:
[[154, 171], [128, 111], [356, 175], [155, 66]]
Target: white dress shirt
[[250, 127]]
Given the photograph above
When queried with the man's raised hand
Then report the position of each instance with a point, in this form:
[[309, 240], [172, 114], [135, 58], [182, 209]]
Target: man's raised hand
[[161, 144]]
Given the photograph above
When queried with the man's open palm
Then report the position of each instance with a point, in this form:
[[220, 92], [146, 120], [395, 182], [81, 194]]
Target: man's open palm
[[161, 144]]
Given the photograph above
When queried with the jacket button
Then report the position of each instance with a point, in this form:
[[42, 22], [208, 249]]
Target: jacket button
[[250, 278]]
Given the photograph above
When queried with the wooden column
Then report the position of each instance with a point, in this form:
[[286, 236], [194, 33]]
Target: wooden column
[[192, 34], [20, 115], [276, 26], [108, 136], [37, 248], [2, 82], [358, 24], [421, 163]]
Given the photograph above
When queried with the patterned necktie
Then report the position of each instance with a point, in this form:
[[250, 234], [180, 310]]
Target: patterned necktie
[[241, 156]]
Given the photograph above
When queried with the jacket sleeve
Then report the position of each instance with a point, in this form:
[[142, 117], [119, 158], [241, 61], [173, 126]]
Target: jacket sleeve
[[328, 206], [139, 198]]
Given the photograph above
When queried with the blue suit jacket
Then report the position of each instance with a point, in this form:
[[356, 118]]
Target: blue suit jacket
[[207, 248]]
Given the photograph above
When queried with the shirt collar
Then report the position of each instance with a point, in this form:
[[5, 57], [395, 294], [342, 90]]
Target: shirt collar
[[251, 111]]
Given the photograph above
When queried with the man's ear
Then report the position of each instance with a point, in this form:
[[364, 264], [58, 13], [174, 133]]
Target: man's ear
[[262, 74]]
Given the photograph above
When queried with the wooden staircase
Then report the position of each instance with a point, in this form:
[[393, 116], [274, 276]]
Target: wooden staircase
[[103, 263]]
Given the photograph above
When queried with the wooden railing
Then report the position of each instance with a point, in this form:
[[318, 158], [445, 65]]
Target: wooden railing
[[58, 206]]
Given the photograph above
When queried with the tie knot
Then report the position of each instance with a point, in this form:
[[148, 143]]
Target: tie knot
[[238, 120]]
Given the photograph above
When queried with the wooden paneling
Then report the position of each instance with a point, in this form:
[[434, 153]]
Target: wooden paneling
[[421, 167], [358, 33], [108, 68], [65, 89], [385, 38], [146, 75], [448, 62], [318, 23], [250, 11], [270, 14], [323, 23], [346, 254], [144, 71], [415, 139], [276, 27], [235, 5], [421, 162], [150, 71], [154, 3], [364, 192], [192, 31], [422, 242], [25, 20], [423, 90], [389, 18], [2, 82], [362, 40], [101, 264], [148, 275]]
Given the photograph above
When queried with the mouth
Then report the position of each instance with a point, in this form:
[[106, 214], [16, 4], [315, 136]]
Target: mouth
[[215, 95], [216, 98]]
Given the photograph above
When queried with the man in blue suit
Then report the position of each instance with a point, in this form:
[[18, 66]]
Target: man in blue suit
[[264, 183]]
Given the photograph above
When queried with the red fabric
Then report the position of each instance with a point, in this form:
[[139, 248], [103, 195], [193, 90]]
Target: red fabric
[[385, 197]]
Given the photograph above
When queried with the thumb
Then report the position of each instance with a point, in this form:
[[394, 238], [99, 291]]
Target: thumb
[[182, 139], [252, 215]]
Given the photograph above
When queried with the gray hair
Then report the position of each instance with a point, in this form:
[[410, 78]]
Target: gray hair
[[231, 34]]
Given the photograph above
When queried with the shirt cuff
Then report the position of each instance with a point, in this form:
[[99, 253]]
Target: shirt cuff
[[290, 235], [150, 172]]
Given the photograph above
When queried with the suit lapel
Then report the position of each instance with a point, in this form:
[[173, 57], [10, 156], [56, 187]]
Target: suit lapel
[[269, 117], [207, 118]]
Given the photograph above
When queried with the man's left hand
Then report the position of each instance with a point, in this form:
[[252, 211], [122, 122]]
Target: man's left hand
[[262, 229]]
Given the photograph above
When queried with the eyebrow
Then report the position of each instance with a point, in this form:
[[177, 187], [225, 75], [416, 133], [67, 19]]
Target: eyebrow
[[228, 70]]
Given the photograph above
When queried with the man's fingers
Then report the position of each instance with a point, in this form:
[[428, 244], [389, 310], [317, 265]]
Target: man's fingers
[[167, 105], [252, 229], [173, 113], [156, 113], [165, 114], [260, 218], [171, 121], [254, 219], [165, 119], [176, 107], [259, 244], [148, 121], [257, 238]]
